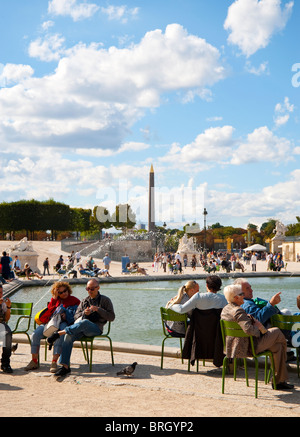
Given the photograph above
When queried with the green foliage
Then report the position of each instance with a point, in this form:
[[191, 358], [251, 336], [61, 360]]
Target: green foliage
[[123, 217], [268, 227], [293, 229], [32, 216]]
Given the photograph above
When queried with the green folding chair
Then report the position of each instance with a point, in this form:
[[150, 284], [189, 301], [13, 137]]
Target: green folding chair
[[233, 329], [88, 351], [171, 316], [287, 323], [24, 310]]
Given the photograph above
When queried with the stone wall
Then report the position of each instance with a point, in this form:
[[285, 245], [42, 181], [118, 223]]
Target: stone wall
[[137, 250]]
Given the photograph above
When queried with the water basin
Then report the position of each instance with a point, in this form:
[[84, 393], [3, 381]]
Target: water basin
[[137, 304]]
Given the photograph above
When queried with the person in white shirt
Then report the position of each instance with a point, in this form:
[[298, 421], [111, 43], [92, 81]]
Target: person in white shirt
[[253, 262], [16, 264], [204, 301]]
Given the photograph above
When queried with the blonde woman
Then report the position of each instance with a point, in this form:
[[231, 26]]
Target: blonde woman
[[184, 294]]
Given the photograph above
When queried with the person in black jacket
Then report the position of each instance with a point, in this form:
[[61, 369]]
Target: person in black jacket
[[5, 262]]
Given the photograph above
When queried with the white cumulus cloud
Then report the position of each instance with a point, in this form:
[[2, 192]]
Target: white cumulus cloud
[[95, 95], [73, 8], [120, 13], [14, 73], [51, 48], [252, 23]]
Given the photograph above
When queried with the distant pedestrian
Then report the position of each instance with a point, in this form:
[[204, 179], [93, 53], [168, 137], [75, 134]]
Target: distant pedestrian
[[106, 261], [253, 262], [46, 266], [5, 262], [78, 257]]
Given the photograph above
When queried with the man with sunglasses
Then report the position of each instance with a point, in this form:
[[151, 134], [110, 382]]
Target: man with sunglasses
[[91, 315]]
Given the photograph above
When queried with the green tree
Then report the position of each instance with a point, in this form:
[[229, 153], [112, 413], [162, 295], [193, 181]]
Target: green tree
[[293, 229], [268, 227], [123, 217], [80, 220], [100, 219]]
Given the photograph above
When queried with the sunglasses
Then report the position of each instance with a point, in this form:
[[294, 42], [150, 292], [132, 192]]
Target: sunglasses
[[91, 288], [62, 292]]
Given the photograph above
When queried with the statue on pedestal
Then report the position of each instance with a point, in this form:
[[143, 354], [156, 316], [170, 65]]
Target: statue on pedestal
[[186, 245], [26, 254], [280, 230], [276, 241]]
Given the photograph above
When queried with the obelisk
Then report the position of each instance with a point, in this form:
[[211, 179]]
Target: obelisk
[[151, 209]]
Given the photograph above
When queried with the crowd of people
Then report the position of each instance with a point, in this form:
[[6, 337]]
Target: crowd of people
[[253, 315], [213, 261], [11, 268], [73, 265]]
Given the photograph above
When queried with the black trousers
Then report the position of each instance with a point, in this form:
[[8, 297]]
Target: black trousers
[[6, 340]]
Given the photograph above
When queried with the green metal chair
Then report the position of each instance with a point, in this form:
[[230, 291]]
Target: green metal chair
[[233, 329], [287, 323], [170, 315], [88, 351], [24, 310]]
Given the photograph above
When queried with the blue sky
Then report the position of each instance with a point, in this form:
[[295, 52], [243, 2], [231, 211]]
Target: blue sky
[[94, 92]]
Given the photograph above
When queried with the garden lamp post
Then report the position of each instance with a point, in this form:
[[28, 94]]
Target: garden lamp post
[[204, 245]]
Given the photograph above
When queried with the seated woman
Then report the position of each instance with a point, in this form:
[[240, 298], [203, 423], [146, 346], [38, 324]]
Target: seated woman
[[84, 271], [28, 273], [61, 297], [138, 269], [177, 329], [177, 266], [239, 266]]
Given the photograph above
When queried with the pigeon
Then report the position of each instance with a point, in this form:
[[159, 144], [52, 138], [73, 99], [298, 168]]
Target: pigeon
[[14, 347], [128, 370]]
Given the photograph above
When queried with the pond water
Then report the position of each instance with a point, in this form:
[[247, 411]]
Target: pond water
[[137, 304]]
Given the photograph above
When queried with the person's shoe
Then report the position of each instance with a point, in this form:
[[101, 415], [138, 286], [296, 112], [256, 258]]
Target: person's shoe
[[32, 365], [290, 356], [52, 339], [283, 386], [6, 368], [53, 367], [62, 371]]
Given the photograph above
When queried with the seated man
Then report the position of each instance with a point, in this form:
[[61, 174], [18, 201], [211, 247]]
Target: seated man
[[262, 311], [5, 332], [70, 268], [90, 317], [16, 267], [272, 339]]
